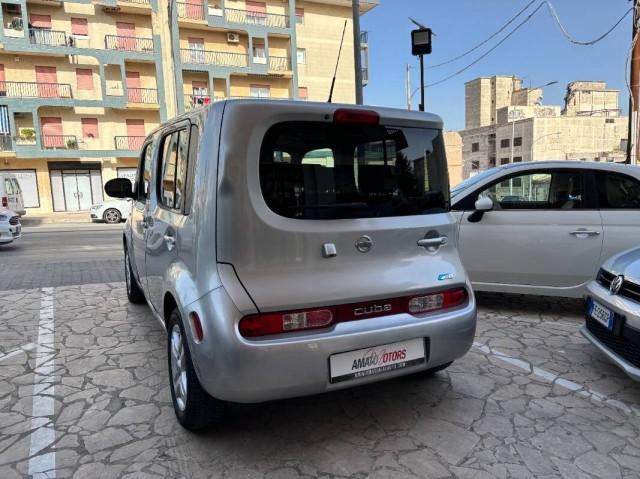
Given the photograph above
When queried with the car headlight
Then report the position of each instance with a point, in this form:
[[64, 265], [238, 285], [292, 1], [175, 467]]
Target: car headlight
[[4, 217], [96, 207]]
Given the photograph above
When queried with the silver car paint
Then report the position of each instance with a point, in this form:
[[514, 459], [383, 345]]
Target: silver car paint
[[541, 256], [233, 255], [627, 264]]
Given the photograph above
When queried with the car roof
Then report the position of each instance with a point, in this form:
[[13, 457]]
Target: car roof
[[577, 164]]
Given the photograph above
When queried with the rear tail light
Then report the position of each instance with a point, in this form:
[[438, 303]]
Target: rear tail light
[[5, 202], [364, 117], [288, 321]]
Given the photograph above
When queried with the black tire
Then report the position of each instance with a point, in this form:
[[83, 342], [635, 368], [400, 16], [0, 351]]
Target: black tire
[[134, 292], [112, 216], [195, 409]]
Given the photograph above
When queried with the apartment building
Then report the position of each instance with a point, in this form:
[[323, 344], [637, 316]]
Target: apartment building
[[506, 123], [83, 82]]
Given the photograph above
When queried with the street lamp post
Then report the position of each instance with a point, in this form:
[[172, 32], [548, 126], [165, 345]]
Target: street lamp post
[[540, 138], [421, 46]]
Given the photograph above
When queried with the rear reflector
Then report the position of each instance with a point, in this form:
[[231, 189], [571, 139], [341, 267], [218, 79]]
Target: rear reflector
[[288, 321], [197, 327], [5, 202], [364, 117]]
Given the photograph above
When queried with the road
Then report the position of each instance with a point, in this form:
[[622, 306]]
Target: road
[[61, 256]]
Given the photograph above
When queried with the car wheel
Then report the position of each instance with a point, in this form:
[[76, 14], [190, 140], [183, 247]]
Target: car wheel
[[134, 292], [194, 408], [112, 216]]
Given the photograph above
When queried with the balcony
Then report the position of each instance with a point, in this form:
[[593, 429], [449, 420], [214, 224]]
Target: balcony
[[59, 142], [147, 96], [44, 36], [194, 101], [191, 11], [364, 37], [5, 142], [365, 75], [128, 142], [128, 44], [246, 17], [207, 57], [15, 89], [279, 64], [137, 2]]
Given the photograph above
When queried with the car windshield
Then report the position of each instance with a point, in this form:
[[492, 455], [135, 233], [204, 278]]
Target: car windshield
[[461, 187], [318, 170]]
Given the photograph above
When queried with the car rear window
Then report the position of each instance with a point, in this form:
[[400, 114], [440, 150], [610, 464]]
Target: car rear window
[[318, 170]]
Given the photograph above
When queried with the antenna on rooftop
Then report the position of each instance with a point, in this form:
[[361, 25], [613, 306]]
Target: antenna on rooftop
[[333, 80]]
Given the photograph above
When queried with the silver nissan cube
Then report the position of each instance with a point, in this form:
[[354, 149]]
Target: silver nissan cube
[[294, 248]]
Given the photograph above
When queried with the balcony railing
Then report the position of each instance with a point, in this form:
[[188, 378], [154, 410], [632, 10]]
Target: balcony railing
[[207, 57], [257, 18], [364, 37], [279, 63], [35, 89], [365, 75], [128, 44], [142, 95], [194, 101], [5, 142], [59, 142], [139, 2], [128, 142], [44, 36], [191, 10]]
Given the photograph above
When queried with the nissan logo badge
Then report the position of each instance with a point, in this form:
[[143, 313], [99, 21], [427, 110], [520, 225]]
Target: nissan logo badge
[[364, 244], [616, 284]]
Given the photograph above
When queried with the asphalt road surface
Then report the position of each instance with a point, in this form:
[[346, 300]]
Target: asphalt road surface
[[62, 256]]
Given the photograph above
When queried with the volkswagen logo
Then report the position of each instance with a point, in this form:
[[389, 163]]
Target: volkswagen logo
[[616, 284], [364, 244]]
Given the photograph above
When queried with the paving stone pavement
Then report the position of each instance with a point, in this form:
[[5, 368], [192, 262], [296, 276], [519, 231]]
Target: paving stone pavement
[[569, 415]]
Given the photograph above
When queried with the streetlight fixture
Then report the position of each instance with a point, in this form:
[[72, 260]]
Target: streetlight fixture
[[540, 138], [421, 46]]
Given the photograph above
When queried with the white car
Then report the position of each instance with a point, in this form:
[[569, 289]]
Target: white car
[[111, 211], [11, 193], [10, 227], [545, 227]]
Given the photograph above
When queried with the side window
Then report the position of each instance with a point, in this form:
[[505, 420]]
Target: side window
[[8, 186], [16, 187], [173, 169], [540, 191], [144, 174], [618, 191]]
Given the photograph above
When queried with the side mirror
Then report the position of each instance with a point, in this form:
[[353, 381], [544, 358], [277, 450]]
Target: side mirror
[[484, 204], [119, 188]]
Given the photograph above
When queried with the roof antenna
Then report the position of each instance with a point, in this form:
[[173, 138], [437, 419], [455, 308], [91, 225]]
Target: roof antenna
[[333, 80]]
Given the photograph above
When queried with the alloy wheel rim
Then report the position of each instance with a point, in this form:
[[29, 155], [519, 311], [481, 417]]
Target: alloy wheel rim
[[178, 368], [111, 216]]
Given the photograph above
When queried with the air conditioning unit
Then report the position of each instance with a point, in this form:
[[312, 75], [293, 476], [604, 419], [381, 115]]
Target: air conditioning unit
[[16, 23], [233, 37]]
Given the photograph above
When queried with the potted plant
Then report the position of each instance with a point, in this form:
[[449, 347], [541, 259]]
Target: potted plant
[[27, 135], [72, 144]]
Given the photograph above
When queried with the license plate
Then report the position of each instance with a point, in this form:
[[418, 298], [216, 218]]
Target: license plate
[[601, 314], [376, 360]]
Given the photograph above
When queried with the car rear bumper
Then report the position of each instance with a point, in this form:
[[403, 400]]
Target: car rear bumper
[[9, 234], [236, 369]]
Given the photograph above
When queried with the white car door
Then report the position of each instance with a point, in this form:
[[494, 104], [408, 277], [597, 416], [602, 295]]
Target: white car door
[[619, 203], [540, 232]]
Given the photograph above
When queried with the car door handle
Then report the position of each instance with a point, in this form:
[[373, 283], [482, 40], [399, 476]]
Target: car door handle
[[433, 242], [585, 233], [170, 241]]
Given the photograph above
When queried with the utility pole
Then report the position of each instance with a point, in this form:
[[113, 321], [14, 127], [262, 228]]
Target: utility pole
[[357, 54], [407, 86], [633, 152]]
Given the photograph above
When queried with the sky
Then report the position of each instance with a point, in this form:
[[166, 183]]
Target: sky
[[537, 52]]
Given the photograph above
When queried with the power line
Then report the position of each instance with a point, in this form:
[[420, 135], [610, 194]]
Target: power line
[[451, 60], [488, 51], [566, 34]]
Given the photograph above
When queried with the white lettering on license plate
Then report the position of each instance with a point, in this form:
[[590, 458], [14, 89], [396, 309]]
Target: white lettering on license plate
[[376, 360]]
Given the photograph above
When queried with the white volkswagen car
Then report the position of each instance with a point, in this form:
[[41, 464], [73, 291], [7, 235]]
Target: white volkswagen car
[[111, 211], [545, 227]]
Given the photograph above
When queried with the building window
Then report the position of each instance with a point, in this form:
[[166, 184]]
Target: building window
[[260, 91], [259, 52], [475, 165], [505, 143], [303, 93], [609, 120], [517, 141], [504, 161], [517, 159], [84, 78], [475, 147], [89, 127], [302, 56], [300, 16], [79, 26], [492, 162]]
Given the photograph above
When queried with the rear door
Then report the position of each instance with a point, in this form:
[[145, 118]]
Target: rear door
[[542, 231], [619, 203], [139, 213], [336, 212]]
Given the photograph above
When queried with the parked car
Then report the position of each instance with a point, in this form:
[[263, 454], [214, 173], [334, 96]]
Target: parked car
[[111, 211], [11, 193], [293, 248], [10, 227], [613, 311], [545, 227]]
